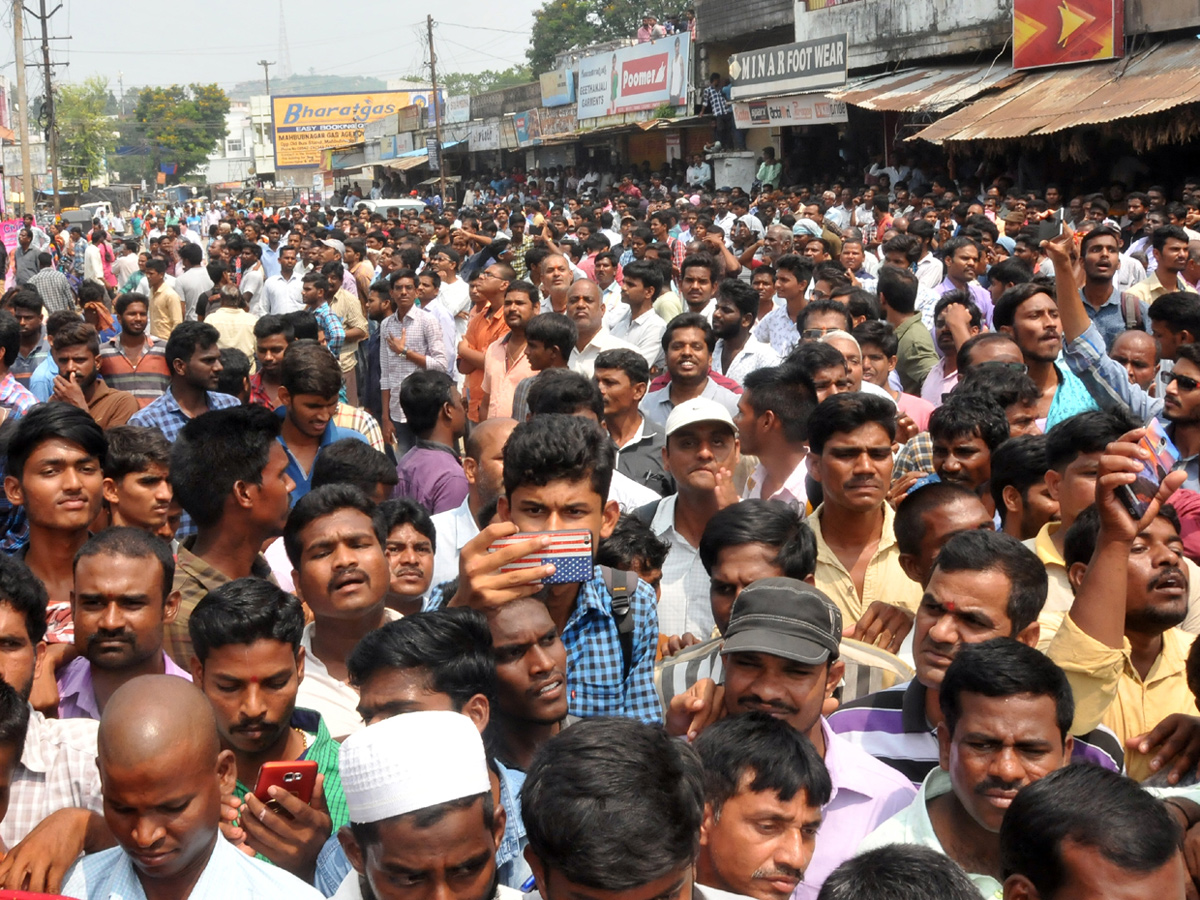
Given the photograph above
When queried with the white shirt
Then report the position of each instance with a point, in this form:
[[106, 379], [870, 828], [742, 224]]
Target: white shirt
[[644, 333], [454, 527], [754, 355], [584, 361], [189, 286], [793, 491], [455, 298], [252, 283], [628, 494], [284, 296], [684, 605]]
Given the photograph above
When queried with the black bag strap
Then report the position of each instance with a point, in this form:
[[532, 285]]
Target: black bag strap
[[621, 587]]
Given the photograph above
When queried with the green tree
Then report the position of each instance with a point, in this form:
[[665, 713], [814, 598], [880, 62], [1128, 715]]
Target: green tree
[[175, 125], [455, 84], [562, 25], [85, 134]]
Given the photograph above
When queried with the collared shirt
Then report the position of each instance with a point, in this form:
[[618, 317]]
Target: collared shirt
[[584, 361], [335, 332], [916, 354], [938, 384], [424, 337], [57, 771], [194, 579], [147, 380], [778, 329], [929, 271], [77, 695], [54, 289], [354, 418], [166, 415], [1108, 689], [1070, 399], [166, 311], [980, 297], [295, 470], [284, 296], [1060, 595], [884, 579], [890, 724], [484, 328], [25, 264], [1150, 289], [501, 377], [258, 394], [454, 528], [432, 474], [335, 700], [229, 875], [22, 367], [866, 793], [657, 405], [1109, 318], [189, 286], [598, 685], [349, 312], [912, 825], [14, 396], [644, 333], [511, 866], [754, 355], [110, 408], [793, 491], [684, 605], [641, 459], [235, 328]]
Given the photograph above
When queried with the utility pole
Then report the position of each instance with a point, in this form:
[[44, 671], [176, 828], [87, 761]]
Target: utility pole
[[51, 123], [437, 111], [22, 105], [266, 74]]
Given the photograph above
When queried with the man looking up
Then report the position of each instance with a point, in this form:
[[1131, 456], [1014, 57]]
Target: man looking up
[[137, 488], [622, 377], [772, 424], [133, 360], [793, 273], [1100, 250], [335, 540], [122, 600], [431, 472], [229, 472], [76, 353], [585, 307], [412, 340], [688, 343], [158, 749], [249, 662], [737, 352], [1007, 715]]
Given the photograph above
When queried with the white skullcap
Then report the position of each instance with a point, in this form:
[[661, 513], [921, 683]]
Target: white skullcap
[[412, 761]]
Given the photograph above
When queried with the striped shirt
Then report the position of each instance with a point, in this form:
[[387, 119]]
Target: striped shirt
[[147, 380], [891, 726], [424, 337]]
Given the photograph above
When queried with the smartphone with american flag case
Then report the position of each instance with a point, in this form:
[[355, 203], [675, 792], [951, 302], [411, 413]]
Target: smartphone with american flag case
[[570, 551]]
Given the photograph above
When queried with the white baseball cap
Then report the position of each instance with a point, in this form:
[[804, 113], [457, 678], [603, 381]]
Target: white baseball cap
[[698, 409]]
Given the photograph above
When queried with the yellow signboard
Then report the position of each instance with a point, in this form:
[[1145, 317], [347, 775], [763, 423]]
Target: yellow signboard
[[306, 124]]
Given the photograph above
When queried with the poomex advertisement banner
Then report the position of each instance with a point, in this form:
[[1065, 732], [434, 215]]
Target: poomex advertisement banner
[[306, 124], [644, 76]]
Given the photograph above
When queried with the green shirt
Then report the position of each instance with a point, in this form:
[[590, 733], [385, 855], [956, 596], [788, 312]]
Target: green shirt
[[915, 354]]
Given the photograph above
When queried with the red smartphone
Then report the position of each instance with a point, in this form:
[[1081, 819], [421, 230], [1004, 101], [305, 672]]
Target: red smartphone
[[297, 777]]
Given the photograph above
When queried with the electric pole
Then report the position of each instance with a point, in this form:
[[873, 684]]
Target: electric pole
[[266, 73], [22, 105], [51, 124], [437, 110]]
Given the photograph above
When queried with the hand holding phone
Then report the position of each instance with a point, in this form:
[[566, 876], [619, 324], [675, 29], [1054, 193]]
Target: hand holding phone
[[569, 551], [1163, 457], [297, 776]]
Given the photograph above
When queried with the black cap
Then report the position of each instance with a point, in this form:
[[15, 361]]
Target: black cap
[[784, 617]]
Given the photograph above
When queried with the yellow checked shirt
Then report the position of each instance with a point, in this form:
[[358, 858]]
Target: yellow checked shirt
[[1108, 690], [884, 579]]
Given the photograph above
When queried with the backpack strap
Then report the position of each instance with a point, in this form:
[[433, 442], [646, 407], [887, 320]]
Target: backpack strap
[[1132, 311], [621, 587]]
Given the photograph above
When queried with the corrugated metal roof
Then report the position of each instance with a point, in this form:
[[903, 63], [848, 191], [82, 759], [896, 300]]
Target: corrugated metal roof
[[925, 90], [1161, 78]]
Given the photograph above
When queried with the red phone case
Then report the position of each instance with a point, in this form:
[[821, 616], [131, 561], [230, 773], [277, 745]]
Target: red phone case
[[298, 777]]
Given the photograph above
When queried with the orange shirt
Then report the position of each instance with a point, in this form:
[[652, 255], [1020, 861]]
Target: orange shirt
[[485, 326]]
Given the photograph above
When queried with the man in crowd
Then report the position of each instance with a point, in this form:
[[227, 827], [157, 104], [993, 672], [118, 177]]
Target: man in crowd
[[623, 377], [1018, 486], [164, 306], [772, 424], [635, 321], [412, 340], [585, 307], [431, 472], [506, 362], [688, 345], [915, 353], [76, 353], [137, 487], [132, 360], [793, 274], [273, 334], [737, 352]]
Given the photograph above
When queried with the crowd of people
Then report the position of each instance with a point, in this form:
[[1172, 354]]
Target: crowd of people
[[652, 542]]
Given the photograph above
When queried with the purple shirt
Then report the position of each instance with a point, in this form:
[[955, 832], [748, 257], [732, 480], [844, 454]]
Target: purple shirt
[[431, 474], [866, 793], [981, 297], [77, 697]]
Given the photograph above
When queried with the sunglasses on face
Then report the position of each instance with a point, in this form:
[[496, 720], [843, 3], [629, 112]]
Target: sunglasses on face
[[1185, 383]]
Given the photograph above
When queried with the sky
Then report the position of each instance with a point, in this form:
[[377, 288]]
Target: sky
[[144, 43]]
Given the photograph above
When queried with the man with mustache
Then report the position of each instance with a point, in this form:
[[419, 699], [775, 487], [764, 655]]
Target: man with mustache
[[1008, 711], [965, 431], [122, 600], [76, 350], [335, 539], [250, 663]]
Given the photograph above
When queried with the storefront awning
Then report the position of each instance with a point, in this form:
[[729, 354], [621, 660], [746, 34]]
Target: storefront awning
[[404, 163], [1154, 81], [933, 90]]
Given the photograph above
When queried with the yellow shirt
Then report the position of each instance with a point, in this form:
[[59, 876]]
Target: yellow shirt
[[1108, 690], [166, 311], [884, 579], [1150, 288], [1060, 596], [347, 308]]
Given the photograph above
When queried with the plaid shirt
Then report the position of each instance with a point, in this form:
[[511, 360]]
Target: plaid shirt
[[355, 419], [335, 332], [259, 396], [518, 260], [424, 337], [715, 101], [594, 662], [15, 396], [915, 456], [54, 289], [165, 414]]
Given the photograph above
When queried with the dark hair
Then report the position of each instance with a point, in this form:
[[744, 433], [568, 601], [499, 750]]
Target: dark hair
[[304, 324], [309, 368], [552, 447], [909, 524], [999, 383], [1086, 432], [322, 502], [740, 294], [647, 273], [76, 334], [613, 804], [124, 300], [632, 363], [453, 645], [243, 611], [879, 333], [908, 244], [899, 872], [1084, 806], [1020, 462], [14, 719], [843, 413], [1178, 311], [963, 358], [553, 330], [703, 261], [631, 541], [962, 298], [235, 369], [10, 337], [984, 551], [762, 522], [154, 264], [860, 302], [810, 357], [134, 449], [785, 391], [1003, 667], [899, 287], [26, 594], [28, 299], [1159, 236], [188, 337], [191, 253], [423, 394], [1011, 271], [690, 320], [131, 543], [564, 392], [777, 756], [270, 325], [353, 462], [54, 420], [1010, 301], [406, 511], [815, 307], [800, 266], [217, 450], [1080, 541], [964, 415]]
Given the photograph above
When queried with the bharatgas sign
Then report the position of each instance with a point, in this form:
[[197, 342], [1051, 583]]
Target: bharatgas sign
[[806, 66], [306, 124], [644, 76]]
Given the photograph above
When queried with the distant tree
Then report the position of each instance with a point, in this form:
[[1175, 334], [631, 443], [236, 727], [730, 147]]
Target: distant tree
[[175, 125], [455, 84], [562, 25], [85, 134]]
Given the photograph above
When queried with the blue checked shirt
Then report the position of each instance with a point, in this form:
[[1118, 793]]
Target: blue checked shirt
[[335, 332], [165, 414], [595, 665]]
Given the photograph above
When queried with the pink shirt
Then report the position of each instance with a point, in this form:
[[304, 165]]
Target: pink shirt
[[916, 408], [500, 380]]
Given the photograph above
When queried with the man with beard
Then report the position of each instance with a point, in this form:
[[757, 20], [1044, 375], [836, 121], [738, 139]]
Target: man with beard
[[76, 353], [119, 609], [1007, 712], [962, 258], [965, 431], [436, 833], [737, 352], [250, 663], [133, 360], [1029, 314], [160, 759], [506, 361], [273, 334]]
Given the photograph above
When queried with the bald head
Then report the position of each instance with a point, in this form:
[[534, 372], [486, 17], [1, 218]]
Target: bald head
[[488, 436], [1137, 352], [158, 717]]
